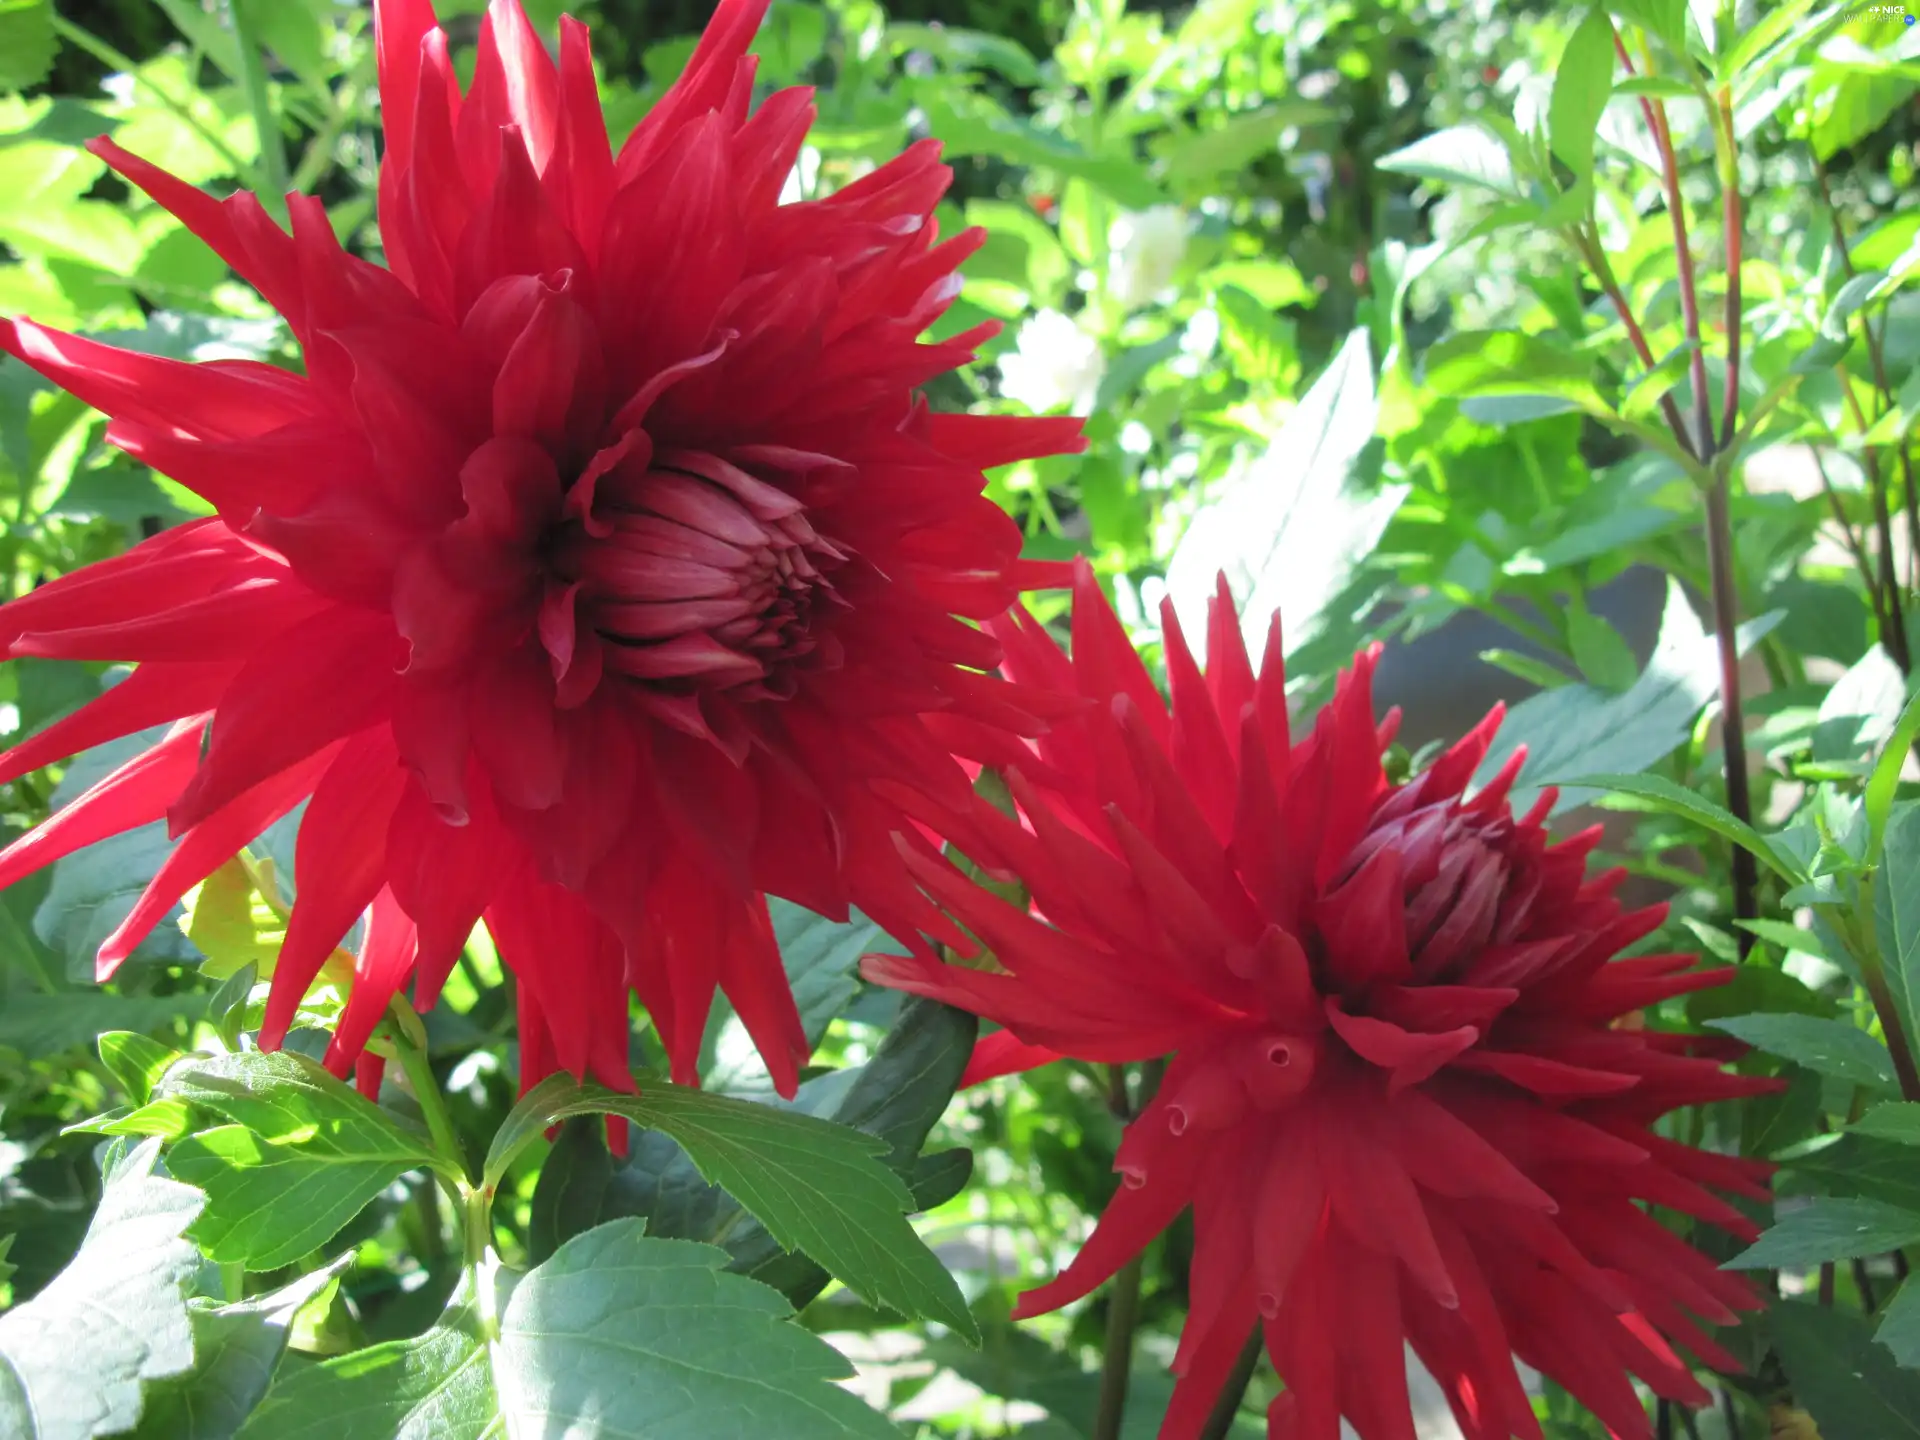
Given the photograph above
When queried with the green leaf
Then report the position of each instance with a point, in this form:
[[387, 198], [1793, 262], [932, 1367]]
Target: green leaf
[[1580, 737], [816, 1186], [46, 1025], [1833, 1047], [1458, 155], [235, 1350], [135, 1061], [1830, 1229], [971, 122], [618, 1335], [1884, 782], [959, 49], [434, 1387], [74, 1359], [1581, 84], [1835, 337], [303, 1155], [7, 1268], [1194, 157], [1860, 1167], [1509, 362], [1675, 799], [1603, 657], [1542, 673], [1787, 936], [1851, 1387], [1900, 1325], [1896, 910], [1293, 529], [27, 42], [1666, 19], [897, 1096], [1897, 1120]]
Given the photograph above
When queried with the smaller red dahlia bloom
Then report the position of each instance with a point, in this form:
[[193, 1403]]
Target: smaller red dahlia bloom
[[1399, 1101]]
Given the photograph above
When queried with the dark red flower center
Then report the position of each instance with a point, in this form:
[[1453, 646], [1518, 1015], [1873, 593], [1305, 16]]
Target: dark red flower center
[[697, 576]]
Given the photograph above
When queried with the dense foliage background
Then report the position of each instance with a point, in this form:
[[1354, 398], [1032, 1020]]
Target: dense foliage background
[[1340, 287]]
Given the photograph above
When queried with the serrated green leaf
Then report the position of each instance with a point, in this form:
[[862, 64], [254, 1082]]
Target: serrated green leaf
[[1678, 800], [1851, 1387], [1788, 937], [819, 1188], [1832, 1047], [27, 42], [1827, 1228], [304, 1154], [75, 1358]]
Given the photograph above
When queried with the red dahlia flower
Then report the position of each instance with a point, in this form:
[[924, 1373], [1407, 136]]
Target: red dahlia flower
[[1399, 1101], [601, 573]]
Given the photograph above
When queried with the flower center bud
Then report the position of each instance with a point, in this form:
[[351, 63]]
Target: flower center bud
[[698, 576]]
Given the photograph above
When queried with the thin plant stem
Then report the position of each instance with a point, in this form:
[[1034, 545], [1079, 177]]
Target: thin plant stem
[[1853, 541], [1863, 1282], [1663, 1419], [1227, 1406], [402, 1027], [1591, 251], [1826, 1286], [1719, 516], [1116, 1365], [106, 54], [1729, 158], [1733, 737]]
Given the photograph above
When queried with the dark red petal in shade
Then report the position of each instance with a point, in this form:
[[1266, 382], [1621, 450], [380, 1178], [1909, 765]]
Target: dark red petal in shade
[[598, 571], [1395, 1097]]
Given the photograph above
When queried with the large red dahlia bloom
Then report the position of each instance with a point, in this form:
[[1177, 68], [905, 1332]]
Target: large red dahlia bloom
[[602, 572], [1400, 1100]]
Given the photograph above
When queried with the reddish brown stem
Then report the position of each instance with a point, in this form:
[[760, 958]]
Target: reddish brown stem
[[1732, 219]]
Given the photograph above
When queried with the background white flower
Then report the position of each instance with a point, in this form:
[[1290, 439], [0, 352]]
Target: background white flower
[[1055, 364], [1144, 251]]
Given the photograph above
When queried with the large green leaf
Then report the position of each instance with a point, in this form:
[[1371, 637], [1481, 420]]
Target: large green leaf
[[1898, 1121], [1674, 799], [74, 1359], [1291, 531], [818, 1187], [302, 1156], [1830, 1229], [1577, 730], [1851, 1387], [617, 1335], [235, 1350], [1833, 1047]]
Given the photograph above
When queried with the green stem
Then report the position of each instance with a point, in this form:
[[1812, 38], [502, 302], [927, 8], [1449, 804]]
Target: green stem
[[1227, 1407], [266, 124], [103, 52], [404, 1027], [1123, 1314]]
